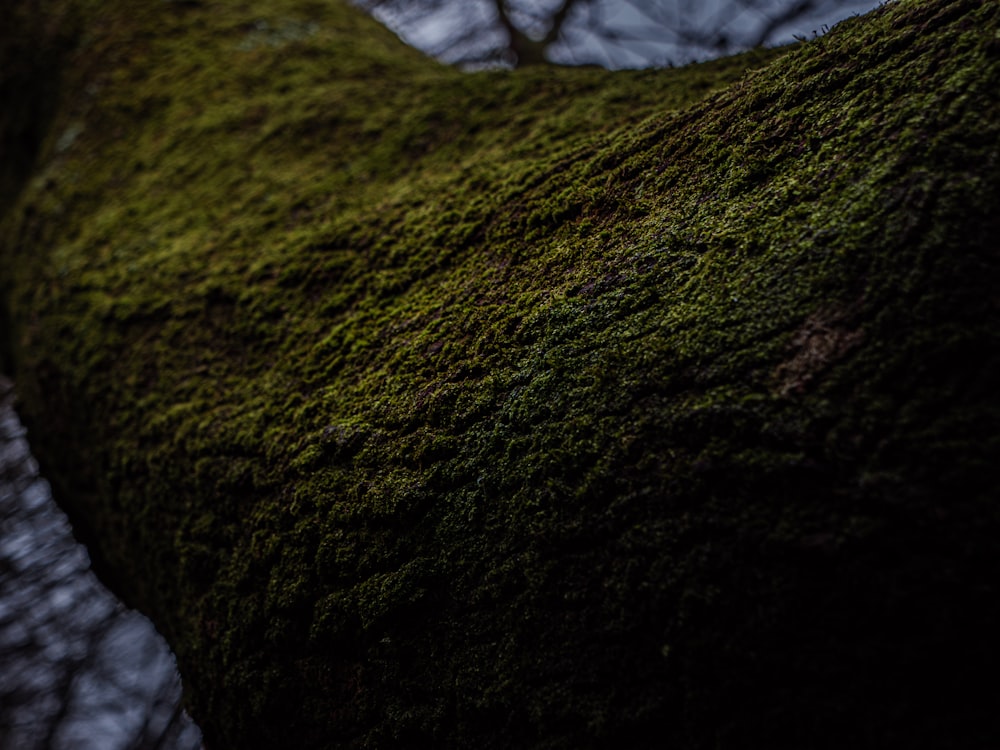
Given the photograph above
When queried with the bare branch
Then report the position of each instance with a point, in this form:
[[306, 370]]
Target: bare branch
[[793, 11], [524, 32], [525, 50], [559, 19]]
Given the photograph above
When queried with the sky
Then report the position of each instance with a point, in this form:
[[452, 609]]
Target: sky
[[741, 19]]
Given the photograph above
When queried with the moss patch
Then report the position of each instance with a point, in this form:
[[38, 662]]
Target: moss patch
[[557, 408]]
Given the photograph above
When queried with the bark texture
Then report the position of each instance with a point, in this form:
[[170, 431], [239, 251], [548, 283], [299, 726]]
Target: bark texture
[[554, 408]]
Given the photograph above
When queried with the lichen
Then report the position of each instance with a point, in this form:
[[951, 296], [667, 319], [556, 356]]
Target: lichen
[[555, 408]]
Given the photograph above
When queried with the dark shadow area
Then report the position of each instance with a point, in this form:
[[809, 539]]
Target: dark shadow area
[[31, 65]]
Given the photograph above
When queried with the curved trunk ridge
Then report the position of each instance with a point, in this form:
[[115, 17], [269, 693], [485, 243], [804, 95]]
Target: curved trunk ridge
[[554, 408]]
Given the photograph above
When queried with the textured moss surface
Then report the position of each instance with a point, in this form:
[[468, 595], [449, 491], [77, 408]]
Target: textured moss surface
[[554, 409]]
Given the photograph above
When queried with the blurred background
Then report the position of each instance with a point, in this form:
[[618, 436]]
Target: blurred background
[[78, 670], [610, 33]]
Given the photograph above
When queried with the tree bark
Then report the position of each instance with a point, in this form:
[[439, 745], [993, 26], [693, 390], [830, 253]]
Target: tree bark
[[553, 408]]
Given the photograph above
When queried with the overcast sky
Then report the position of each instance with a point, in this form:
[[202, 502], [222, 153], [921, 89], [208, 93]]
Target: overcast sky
[[427, 30]]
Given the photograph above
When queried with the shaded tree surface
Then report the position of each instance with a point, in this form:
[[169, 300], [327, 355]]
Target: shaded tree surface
[[611, 33], [546, 408]]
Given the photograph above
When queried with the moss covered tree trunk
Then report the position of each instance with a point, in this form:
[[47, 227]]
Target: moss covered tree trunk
[[557, 408]]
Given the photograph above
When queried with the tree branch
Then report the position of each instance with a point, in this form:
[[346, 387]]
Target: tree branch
[[795, 10]]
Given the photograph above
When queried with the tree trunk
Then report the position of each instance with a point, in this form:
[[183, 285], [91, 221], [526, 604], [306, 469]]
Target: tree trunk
[[554, 408]]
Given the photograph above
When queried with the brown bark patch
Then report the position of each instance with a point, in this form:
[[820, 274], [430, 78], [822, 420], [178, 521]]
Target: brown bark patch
[[825, 338]]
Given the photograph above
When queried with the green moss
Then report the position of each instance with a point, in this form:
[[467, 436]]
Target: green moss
[[555, 408]]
